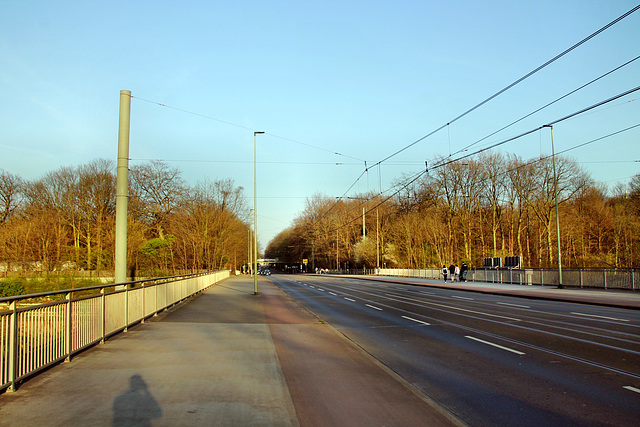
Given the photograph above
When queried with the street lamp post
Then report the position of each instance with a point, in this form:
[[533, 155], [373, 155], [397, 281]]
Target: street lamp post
[[255, 218], [555, 191]]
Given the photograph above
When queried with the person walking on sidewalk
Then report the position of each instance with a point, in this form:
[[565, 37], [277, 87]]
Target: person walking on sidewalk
[[444, 273], [452, 271], [457, 273], [463, 270]]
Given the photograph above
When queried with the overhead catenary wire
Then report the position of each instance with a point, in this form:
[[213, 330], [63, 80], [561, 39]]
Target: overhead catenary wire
[[266, 162], [495, 95], [449, 160], [543, 158], [574, 114], [420, 174], [546, 105], [204, 116], [518, 81]]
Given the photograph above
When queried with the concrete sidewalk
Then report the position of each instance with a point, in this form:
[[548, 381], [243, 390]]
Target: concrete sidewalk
[[608, 298], [226, 358]]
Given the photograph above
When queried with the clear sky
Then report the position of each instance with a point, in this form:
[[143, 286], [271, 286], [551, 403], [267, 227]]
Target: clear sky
[[359, 78]]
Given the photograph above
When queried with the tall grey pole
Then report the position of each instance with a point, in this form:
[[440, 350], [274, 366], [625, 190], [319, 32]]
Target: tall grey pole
[[255, 218], [555, 192], [337, 254], [377, 240], [122, 188]]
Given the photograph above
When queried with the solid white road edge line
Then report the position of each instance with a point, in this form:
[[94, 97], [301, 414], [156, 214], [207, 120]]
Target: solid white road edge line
[[494, 345], [600, 317]]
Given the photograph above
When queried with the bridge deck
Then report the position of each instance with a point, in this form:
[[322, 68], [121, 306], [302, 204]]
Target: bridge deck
[[228, 357]]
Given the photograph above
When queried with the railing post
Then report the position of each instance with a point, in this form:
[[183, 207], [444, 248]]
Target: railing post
[[68, 329], [13, 346], [581, 280], [633, 279], [126, 308], [144, 298], [103, 299], [155, 298], [605, 277]]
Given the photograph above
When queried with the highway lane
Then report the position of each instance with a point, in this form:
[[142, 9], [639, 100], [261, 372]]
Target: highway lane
[[490, 360]]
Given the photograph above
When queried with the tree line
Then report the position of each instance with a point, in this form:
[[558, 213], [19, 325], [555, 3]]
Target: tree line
[[66, 221], [489, 205]]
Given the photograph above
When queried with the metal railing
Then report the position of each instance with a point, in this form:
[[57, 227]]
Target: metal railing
[[40, 330], [596, 278]]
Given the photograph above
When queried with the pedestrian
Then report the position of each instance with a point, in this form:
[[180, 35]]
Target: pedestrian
[[452, 271], [463, 270], [444, 273], [457, 273]]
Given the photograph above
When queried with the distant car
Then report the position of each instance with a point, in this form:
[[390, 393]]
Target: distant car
[[265, 272]]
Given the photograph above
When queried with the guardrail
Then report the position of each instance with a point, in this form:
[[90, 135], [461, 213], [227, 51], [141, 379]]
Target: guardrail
[[601, 278], [40, 330]]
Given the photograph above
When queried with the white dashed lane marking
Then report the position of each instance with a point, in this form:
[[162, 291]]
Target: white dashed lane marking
[[415, 320], [495, 345]]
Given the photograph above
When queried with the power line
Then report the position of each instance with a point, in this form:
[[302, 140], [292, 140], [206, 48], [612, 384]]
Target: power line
[[398, 163], [250, 162], [411, 180], [204, 116], [565, 52], [598, 104], [549, 104], [450, 161], [575, 147], [521, 79]]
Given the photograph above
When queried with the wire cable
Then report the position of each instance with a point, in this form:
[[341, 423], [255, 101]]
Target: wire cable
[[521, 79], [547, 105], [495, 95], [242, 127]]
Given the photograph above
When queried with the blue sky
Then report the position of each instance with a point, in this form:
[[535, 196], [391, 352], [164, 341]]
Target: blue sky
[[359, 78]]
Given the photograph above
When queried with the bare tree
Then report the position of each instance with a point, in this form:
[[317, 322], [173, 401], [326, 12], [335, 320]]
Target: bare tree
[[160, 189], [95, 203], [10, 194]]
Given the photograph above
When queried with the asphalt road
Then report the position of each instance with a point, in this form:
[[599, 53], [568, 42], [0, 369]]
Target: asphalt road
[[488, 359]]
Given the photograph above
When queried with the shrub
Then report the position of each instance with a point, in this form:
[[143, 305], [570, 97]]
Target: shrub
[[11, 287]]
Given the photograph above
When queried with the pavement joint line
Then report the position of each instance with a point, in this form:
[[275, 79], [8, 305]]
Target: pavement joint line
[[495, 345]]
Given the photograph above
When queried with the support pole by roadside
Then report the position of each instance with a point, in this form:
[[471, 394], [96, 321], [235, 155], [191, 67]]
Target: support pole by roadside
[[122, 188], [555, 193]]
